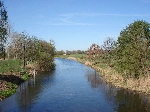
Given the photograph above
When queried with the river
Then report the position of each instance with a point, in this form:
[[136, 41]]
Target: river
[[72, 87]]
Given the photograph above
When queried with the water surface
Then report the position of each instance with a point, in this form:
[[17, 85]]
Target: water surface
[[72, 87]]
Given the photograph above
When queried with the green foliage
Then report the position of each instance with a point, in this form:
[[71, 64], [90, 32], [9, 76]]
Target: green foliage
[[10, 66], [132, 49], [130, 55], [80, 56], [25, 76], [20, 49], [46, 53], [46, 47], [60, 52], [3, 28], [31, 49], [11, 90], [45, 62]]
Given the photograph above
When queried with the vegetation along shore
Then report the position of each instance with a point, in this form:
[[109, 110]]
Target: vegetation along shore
[[20, 55], [125, 63]]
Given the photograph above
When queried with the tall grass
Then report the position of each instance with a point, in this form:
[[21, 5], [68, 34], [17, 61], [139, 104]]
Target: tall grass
[[10, 66]]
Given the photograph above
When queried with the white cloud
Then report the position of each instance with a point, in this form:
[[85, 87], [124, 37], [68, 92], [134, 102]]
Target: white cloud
[[64, 20], [70, 19], [103, 14]]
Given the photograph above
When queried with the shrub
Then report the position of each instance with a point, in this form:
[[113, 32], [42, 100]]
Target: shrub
[[45, 62]]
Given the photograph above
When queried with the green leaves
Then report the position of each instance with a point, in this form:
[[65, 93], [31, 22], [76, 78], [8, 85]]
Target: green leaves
[[3, 28], [11, 90], [46, 56], [133, 47], [45, 62], [31, 49]]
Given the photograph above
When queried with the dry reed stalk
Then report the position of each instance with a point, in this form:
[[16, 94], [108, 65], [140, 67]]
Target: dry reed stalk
[[141, 85], [111, 76]]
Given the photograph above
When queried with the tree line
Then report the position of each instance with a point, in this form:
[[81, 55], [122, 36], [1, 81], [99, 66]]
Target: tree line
[[130, 54], [68, 52], [31, 49], [14, 45]]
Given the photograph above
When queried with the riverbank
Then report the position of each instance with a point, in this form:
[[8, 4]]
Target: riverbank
[[11, 76], [9, 83], [140, 85]]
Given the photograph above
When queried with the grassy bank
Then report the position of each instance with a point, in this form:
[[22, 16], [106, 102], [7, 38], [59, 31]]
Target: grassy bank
[[12, 75], [110, 75]]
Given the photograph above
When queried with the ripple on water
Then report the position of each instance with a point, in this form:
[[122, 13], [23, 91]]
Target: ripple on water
[[73, 87]]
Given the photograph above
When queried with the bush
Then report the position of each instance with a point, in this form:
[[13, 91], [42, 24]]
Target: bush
[[45, 62], [132, 51]]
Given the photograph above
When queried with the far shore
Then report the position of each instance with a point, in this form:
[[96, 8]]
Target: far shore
[[111, 76]]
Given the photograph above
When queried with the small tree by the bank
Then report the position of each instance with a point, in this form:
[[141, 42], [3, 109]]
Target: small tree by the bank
[[3, 29], [94, 52], [47, 47], [15, 48], [132, 50], [45, 62], [46, 56], [108, 47]]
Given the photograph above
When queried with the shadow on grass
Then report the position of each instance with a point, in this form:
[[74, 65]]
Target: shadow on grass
[[11, 78]]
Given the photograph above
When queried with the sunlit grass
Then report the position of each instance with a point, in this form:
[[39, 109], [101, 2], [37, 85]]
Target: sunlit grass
[[81, 56], [10, 66]]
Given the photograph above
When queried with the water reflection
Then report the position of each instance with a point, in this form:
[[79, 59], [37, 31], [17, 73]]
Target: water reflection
[[93, 78], [73, 87], [126, 100], [121, 99], [29, 92]]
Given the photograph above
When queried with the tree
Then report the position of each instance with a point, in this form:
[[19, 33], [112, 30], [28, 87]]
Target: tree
[[3, 28], [49, 48], [132, 49], [60, 52], [32, 49], [68, 52], [108, 47], [15, 48], [45, 62], [46, 56], [95, 51]]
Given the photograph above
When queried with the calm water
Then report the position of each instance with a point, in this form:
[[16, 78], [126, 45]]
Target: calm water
[[72, 87]]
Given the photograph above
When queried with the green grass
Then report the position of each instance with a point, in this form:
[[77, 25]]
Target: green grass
[[25, 77], [61, 56], [10, 65], [7, 66], [80, 56], [10, 91]]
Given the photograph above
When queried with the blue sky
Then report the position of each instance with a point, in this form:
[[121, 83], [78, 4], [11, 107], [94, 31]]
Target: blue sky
[[75, 24]]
